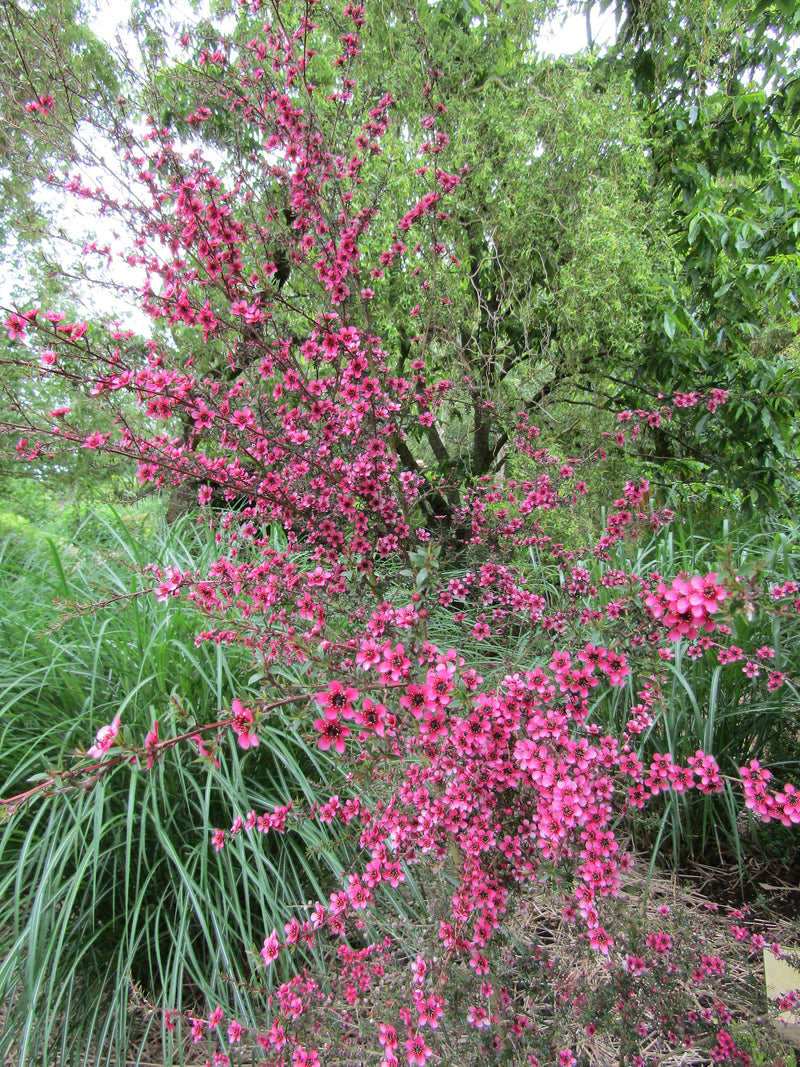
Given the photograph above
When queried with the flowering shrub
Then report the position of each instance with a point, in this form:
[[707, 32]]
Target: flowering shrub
[[391, 609], [671, 986]]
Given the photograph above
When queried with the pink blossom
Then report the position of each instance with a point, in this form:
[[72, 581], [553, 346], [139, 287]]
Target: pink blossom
[[16, 324], [478, 1017], [429, 1011], [600, 940], [95, 440], [332, 732], [338, 699], [417, 1051], [394, 664], [271, 949], [687, 605], [305, 1057], [659, 942], [358, 894], [150, 744], [106, 736], [243, 724], [387, 1036], [372, 716], [203, 751]]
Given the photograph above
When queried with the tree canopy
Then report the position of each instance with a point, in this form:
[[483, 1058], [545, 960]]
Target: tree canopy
[[618, 225]]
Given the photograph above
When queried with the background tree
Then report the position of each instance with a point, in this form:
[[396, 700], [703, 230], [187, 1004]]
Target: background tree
[[718, 91], [615, 228], [549, 226], [622, 226], [52, 66]]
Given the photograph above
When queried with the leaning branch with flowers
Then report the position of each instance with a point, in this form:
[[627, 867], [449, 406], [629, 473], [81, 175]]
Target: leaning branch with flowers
[[498, 700]]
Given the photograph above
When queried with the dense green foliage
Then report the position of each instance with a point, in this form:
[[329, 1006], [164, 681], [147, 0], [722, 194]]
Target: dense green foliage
[[718, 89]]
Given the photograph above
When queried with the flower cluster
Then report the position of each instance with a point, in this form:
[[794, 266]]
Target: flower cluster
[[688, 605], [783, 805]]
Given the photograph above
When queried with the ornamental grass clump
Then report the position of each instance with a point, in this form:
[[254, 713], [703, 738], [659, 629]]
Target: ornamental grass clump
[[109, 888]]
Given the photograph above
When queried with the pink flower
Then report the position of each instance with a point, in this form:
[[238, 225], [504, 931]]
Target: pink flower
[[369, 655], [615, 665], [600, 940], [687, 606], [305, 1058], [338, 699], [358, 894], [387, 1036], [659, 942], [634, 965], [105, 738], [775, 681], [371, 716], [395, 663], [478, 1017], [15, 324], [271, 949], [706, 772], [203, 751], [704, 594], [430, 1011], [438, 686], [243, 721], [415, 700], [150, 743], [417, 1052], [332, 732], [44, 104], [95, 440], [276, 1036]]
